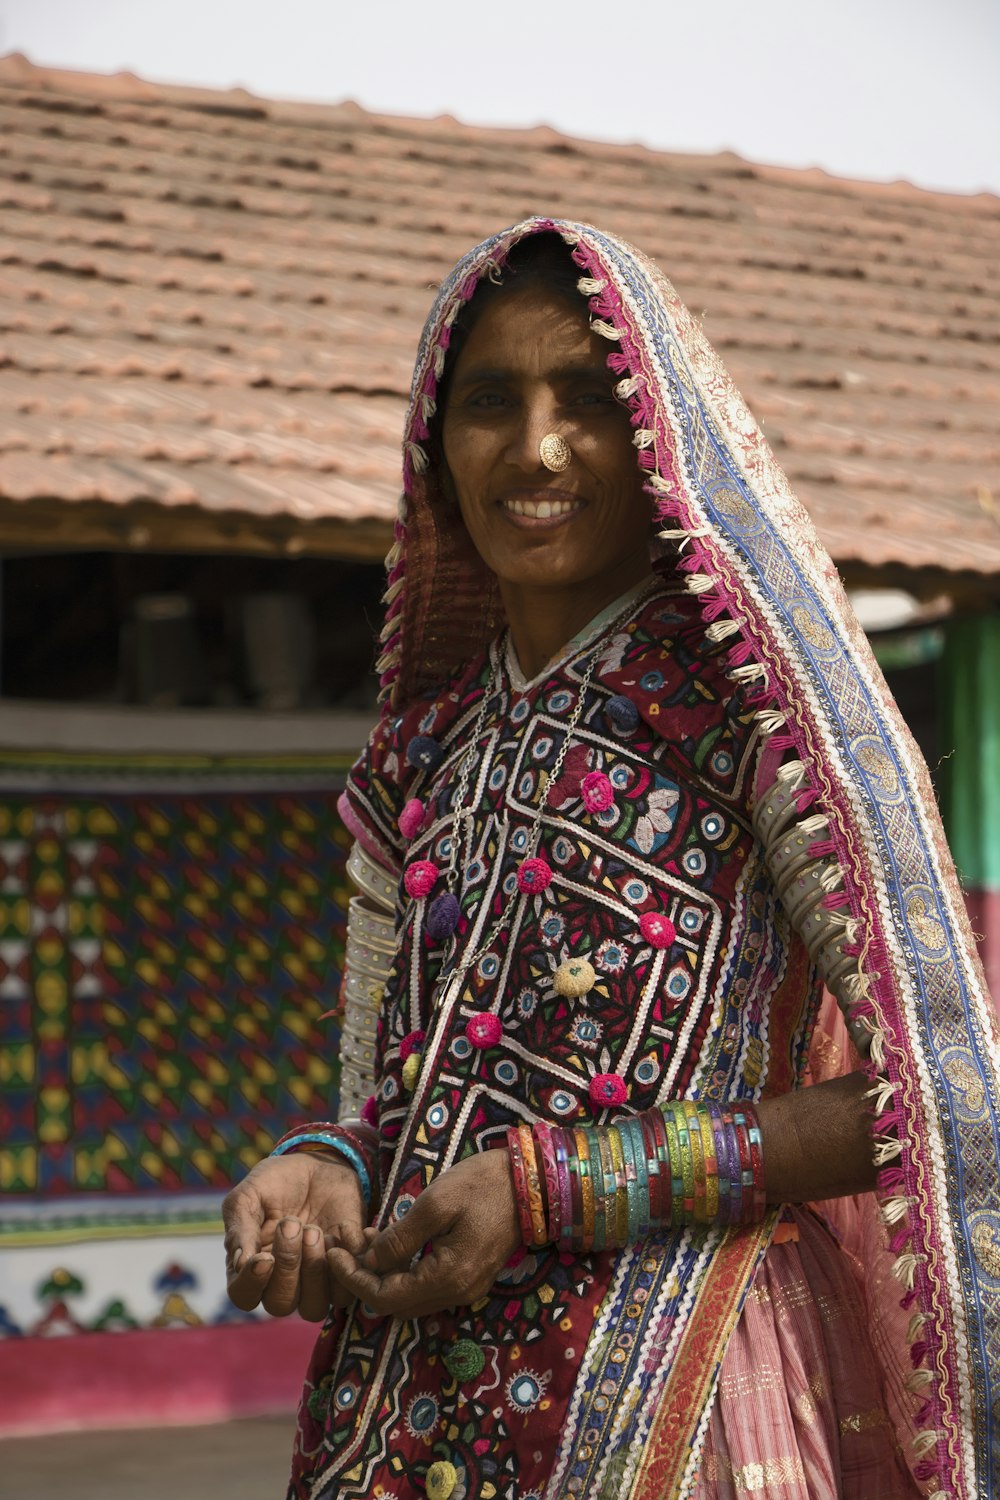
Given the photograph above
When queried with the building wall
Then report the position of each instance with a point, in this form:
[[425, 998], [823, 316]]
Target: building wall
[[171, 937]]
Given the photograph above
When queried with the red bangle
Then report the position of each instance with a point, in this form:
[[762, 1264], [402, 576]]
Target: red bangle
[[756, 1146], [547, 1156], [520, 1180]]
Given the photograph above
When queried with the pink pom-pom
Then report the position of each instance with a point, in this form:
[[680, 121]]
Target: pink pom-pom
[[533, 875], [411, 819], [607, 1090], [369, 1111], [597, 792], [484, 1030], [420, 878], [411, 1043], [657, 929]]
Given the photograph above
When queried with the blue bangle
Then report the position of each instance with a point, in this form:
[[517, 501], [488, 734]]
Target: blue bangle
[[633, 1129], [344, 1148], [631, 1180]]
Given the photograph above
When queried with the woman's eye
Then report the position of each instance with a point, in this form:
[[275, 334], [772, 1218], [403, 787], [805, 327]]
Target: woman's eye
[[593, 398], [487, 399]]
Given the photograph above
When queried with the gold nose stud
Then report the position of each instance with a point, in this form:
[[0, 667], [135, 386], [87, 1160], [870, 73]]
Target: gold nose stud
[[555, 453]]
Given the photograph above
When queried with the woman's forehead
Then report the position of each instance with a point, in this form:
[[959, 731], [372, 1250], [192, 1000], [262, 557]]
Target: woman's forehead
[[521, 325]]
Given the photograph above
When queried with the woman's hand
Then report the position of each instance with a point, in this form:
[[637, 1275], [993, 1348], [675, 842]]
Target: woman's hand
[[468, 1217], [280, 1221]]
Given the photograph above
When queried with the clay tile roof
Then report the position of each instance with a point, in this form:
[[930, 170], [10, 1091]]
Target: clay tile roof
[[209, 304]]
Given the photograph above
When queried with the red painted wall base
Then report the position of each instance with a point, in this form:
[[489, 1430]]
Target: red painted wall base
[[152, 1377]]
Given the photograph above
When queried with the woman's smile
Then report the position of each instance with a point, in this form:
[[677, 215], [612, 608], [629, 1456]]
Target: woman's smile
[[534, 508]]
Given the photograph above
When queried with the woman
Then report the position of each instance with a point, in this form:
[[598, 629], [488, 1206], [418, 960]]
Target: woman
[[638, 784]]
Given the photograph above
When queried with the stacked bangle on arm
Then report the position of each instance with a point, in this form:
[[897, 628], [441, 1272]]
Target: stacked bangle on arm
[[357, 1148], [608, 1186]]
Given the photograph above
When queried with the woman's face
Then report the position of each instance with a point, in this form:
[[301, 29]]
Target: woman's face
[[530, 366]]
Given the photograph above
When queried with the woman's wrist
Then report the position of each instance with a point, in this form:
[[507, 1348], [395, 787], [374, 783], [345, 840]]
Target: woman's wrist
[[333, 1141], [818, 1141]]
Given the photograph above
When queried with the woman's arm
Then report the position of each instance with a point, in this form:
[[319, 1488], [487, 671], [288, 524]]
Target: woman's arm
[[818, 1141], [816, 1144]]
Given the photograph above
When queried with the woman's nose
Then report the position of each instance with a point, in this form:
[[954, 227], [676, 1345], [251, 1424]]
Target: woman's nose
[[534, 420]]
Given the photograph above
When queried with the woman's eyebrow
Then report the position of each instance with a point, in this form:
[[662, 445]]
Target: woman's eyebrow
[[574, 370]]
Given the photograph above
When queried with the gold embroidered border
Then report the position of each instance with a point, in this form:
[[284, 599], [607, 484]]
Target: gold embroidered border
[[712, 1319]]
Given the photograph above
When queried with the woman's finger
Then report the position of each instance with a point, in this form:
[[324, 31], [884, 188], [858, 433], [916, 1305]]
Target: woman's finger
[[434, 1283], [281, 1296], [314, 1293], [247, 1277], [243, 1216], [396, 1245]]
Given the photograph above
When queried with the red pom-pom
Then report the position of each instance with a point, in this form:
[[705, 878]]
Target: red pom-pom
[[411, 1043], [484, 1029], [411, 819], [369, 1111], [597, 791], [420, 878], [657, 929], [607, 1090], [533, 875]]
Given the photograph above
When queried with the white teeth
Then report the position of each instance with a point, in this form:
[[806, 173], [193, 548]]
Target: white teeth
[[541, 510]]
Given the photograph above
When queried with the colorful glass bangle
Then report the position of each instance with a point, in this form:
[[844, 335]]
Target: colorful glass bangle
[[658, 1126], [520, 1180], [746, 1164], [576, 1188], [610, 1180], [721, 1147], [550, 1175], [652, 1169], [561, 1150], [658, 1211], [617, 1204], [539, 1234], [586, 1188], [635, 1182], [621, 1200], [693, 1125], [676, 1177], [711, 1161], [686, 1159], [735, 1167], [598, 1178], [645, 1176]]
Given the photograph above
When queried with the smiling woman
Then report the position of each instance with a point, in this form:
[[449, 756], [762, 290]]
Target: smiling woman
[[562, 545], [637, 791]]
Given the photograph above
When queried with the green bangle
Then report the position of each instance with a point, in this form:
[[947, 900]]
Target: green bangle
[[596, 1168]]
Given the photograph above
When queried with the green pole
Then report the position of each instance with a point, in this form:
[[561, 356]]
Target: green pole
[[970, 743]]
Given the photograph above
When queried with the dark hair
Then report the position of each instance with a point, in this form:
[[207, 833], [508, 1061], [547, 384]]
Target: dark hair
[[539, 260]]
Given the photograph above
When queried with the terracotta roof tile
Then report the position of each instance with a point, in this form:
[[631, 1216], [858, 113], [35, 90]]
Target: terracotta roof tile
[[210, 302]]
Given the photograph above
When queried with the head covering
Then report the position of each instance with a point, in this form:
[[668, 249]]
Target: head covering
[[837, 750]]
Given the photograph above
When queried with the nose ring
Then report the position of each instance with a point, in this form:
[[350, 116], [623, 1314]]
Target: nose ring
[[554, 452]]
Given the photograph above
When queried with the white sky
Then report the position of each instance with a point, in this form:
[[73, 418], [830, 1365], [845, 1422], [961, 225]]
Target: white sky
[[865, 88]]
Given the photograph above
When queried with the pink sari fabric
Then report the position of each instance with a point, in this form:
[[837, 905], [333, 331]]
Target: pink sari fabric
[[800, 1412]]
